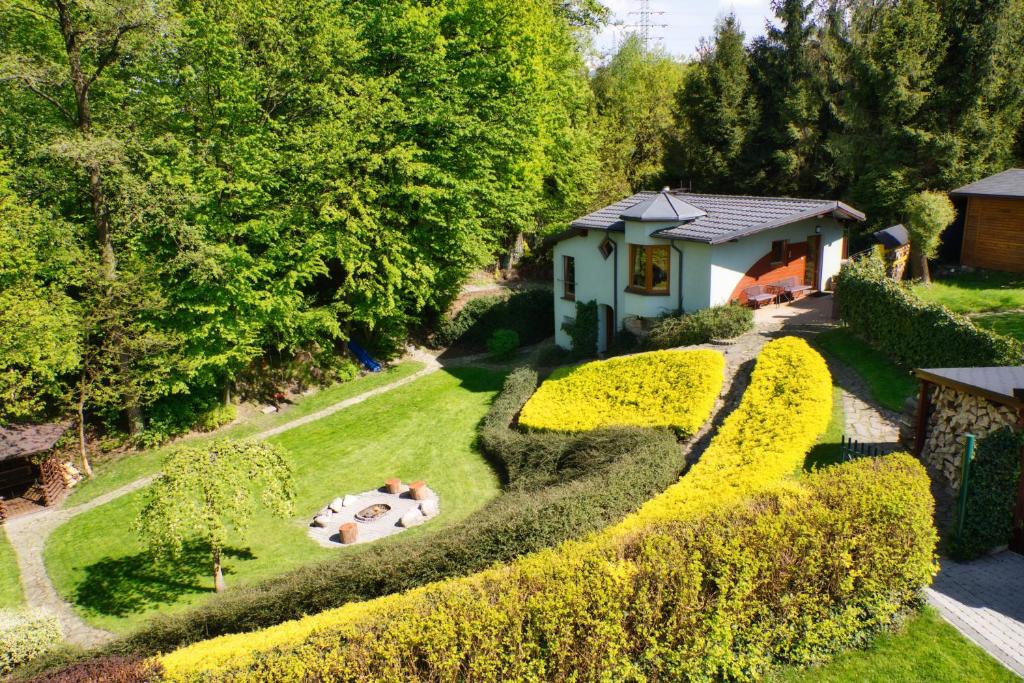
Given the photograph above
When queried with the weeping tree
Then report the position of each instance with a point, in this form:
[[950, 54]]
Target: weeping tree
[[927, 215], [210, 492]]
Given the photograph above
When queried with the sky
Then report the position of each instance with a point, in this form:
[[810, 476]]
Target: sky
[[687, 21]]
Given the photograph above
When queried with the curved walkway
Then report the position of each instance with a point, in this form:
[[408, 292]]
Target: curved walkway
[[28, 533]]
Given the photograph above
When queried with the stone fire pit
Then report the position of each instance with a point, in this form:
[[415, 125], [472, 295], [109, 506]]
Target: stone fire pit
[[375, 513]]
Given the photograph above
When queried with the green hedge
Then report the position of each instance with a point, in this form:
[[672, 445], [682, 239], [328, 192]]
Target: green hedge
[[103, 670], [530, 314], [559, 487], [701, 327], [916, 333], [991, 495], [790, 575]]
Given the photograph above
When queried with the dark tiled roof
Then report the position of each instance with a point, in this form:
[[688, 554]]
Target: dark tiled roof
[[663, 206], [1009, 183], [25, 440], [727, 216], [993, 383], [893, 236]]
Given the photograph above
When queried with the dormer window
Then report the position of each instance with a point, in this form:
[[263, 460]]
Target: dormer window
[[649, 269]]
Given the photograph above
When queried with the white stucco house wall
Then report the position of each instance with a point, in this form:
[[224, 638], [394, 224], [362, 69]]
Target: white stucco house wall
[[664, 252]]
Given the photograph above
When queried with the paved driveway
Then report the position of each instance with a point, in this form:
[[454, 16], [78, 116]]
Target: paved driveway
[[984, 600]]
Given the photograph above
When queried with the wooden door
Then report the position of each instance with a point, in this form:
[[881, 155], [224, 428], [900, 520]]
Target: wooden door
[[609, 326], [812, 266]]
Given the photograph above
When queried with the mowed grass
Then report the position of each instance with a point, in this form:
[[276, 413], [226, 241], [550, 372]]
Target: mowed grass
[[889, 384], [1007, 324], [424, 430], [979, 291], [925, 650], [114, 473], [10, 583]]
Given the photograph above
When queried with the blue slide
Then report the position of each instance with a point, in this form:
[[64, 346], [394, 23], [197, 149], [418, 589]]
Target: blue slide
[[364, 358]]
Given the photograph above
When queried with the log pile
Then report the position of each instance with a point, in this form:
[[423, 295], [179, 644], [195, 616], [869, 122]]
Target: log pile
[[953, 415]]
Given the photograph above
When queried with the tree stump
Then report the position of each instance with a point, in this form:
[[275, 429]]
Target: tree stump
[[394, 485], [418, 490], [349, 532]]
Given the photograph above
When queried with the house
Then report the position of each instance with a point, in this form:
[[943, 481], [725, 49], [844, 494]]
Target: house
[[664, 252], [993, 221]]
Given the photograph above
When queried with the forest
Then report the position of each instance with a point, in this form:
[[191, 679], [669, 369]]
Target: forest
[[195, 196]]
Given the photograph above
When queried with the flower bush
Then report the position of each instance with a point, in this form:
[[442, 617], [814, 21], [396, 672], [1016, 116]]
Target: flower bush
[[24, 635], [734, 569], [675, 389]]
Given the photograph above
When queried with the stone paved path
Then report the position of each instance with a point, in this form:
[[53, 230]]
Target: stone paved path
[[984, 600], [866, 422], [28, 533]]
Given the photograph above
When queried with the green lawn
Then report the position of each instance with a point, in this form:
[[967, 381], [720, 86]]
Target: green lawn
[[1009, 324], [926, 650], [10, 584], [112, 474], [827, 451], [982, 290], [890, 385], [424, 430]]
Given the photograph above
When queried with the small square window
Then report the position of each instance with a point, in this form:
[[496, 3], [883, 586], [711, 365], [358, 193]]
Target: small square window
[[779, 255], [606, 248]]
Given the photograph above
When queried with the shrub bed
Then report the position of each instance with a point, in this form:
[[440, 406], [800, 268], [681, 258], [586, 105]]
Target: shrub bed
[[530, 314], [675, 389], [721, 588], [991, 496], [788, 576], [701, 327], [909, 330], [24, 635], [103, 670], [559, 487]]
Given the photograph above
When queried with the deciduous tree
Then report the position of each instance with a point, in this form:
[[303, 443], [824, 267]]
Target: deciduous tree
[[927, 215], [211, 492]]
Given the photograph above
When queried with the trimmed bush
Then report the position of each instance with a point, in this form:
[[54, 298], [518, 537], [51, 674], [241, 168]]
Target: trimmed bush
[[529, 313], [991, 496], [717, 322], [675, 389], [728, 572], [560, 487], [787, 576], [503, 344], [891, 318], [104, 670], [24, 635]]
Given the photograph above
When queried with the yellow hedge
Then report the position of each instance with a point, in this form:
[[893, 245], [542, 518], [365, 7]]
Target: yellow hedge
[[675, 389], [575, 594]]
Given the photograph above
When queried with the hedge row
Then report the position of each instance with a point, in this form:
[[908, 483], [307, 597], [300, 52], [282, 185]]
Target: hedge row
[[788, 576], [559, 487], [103, 670], [701, 327], [675, 389], [991, 496], [722, 588], [25, 635], [916, 333], [530, 314]]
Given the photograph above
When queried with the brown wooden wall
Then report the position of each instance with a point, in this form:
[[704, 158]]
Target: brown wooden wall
[[764, 273], [994, 234]]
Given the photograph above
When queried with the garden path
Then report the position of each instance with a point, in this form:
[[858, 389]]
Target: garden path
[[984, 600], [28, 533]]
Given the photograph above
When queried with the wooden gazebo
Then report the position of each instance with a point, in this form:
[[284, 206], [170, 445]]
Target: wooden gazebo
[[30, 474]]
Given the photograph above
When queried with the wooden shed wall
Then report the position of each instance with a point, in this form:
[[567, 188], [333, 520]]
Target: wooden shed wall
[[994, 234]]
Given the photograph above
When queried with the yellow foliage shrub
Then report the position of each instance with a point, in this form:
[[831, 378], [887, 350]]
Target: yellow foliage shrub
[[702, 583], [675, 389]]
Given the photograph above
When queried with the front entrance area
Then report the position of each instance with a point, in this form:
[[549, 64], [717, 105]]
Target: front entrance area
[[605, 327]]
